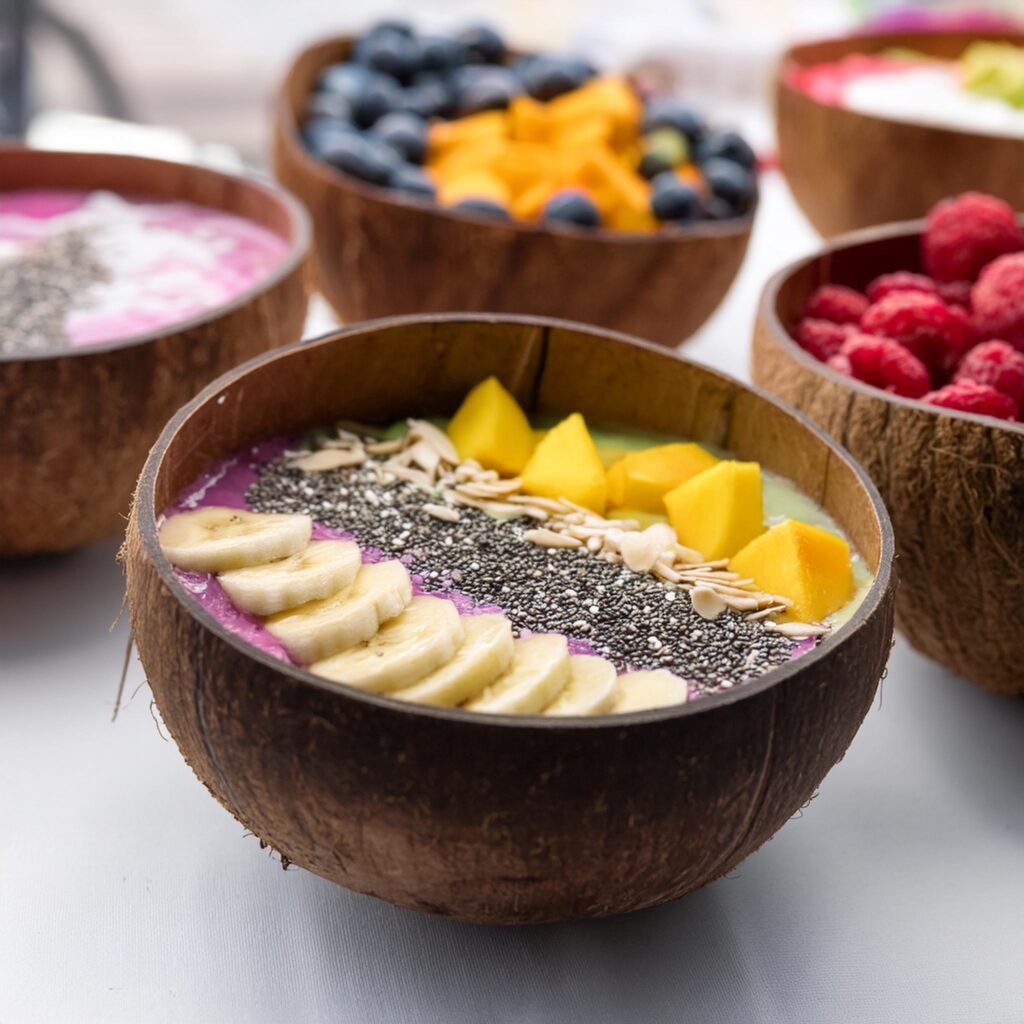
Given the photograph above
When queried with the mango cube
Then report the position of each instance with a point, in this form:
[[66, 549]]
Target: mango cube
[[642, 479], [490, 427], [719, 511], [565, 464], [808, 565]]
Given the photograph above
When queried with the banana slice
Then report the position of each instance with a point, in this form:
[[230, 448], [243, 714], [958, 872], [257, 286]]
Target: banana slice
[[219, 539], [590, 690], [538, 673], [424, 637], [485, 653], [638, 691], [321, 628], [324, 568]]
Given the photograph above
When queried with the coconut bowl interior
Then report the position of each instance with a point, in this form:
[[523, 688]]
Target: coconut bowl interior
[[76, 426], [953, 482], [849, 170], [493, 818], [380, 254]]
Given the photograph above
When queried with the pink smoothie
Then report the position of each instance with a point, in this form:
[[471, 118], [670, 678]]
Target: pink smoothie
[[161, 262]]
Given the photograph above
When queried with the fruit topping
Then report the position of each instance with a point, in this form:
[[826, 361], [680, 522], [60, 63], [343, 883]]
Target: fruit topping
[[969, 396], [924, 325], [538, 673], [718, 511], [998, 365], [822, 338], [901, 281], [491, 428], [640, 480], [963, 234], [640, 691], [836, 303], [997, 300], [884, 364], [565, 464], [590, 689], [805, 564]]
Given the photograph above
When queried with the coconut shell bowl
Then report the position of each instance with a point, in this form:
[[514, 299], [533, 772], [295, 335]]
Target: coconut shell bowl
[[379, 254], [495, 818], [849, 170], [76, 425], [953, 482]]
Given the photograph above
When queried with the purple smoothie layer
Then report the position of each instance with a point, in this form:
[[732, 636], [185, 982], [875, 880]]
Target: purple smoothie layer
[[153, 264]]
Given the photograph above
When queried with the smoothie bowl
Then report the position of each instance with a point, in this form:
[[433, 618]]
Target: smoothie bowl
[[462, 689], [922, 379], [877, 128], [127, 284], [444, 173]]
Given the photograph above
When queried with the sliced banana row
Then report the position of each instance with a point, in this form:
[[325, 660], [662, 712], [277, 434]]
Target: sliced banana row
[[360, 624]]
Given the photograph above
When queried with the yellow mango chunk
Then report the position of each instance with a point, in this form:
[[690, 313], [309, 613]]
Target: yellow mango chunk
[[645, 519], [719, 511], [529, 204], [528, 119], [490, 427], [808, 565], [565, 464], [642, 479], [491, 124], [473, 185]]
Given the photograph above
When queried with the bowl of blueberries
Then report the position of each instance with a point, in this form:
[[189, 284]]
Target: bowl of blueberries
[[451, 173]]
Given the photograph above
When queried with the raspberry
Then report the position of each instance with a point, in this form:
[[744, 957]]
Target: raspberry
[[837, 303], [821, 338], [925, 325], [998, 300], [956, 293], [900, 281], [963, 234], [997, 364], [884, 364], [967, 323], [967, 396]]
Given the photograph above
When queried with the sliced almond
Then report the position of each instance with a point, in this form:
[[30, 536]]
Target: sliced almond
[[550, 539], [797, 630], [445, 512], [425, 456], [328, 458], [436, 438], [706, 603]]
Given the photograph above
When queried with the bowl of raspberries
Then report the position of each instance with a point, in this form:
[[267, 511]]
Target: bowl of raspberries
[[906, 343]]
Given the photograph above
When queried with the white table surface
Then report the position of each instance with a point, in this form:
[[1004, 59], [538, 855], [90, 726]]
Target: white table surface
[[127, 894]]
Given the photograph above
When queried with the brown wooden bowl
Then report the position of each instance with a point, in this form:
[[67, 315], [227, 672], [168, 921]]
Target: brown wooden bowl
[[849, 170], [494, 818], [953, 482], [379, 253], [76, 427]]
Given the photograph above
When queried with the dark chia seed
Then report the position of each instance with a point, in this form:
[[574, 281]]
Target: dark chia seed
[[40, 287], [633, 619]]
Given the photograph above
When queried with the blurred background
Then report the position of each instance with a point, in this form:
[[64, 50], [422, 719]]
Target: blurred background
[[207, 69]]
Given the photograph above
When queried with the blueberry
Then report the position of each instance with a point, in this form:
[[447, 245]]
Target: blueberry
[[363, 158], [429, 99], [329, 104], [441, 53], [572, 207], [414, 180], [380, 95], [386, 25], [484, 207], [726, 146], [345, 79], [731, 182], [489, 88], [389, 52], [319, 132], [714, 208], [404, 132], [673, 199], [483, 45], [548, 76], [663, 112]]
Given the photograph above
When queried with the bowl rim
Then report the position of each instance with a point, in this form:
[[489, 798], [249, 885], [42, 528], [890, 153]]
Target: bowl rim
[[145, 518], [298, 250], [288, 128], [767, 308], [791, 57]]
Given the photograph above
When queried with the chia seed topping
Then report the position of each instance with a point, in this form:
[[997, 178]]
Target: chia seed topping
[[634, 619]]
